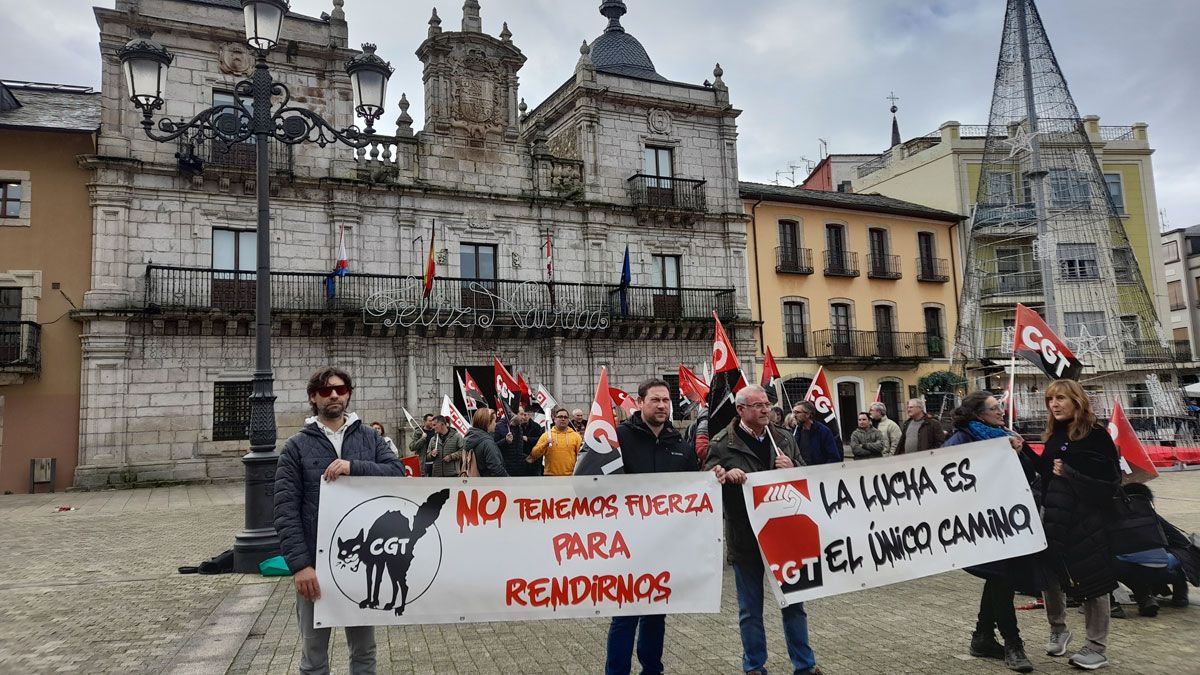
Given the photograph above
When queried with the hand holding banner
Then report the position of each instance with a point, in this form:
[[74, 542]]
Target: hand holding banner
[[830, 529], [395, 552]]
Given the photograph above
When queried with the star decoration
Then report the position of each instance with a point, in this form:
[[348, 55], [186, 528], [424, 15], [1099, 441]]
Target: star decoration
[[1085, 343], [1006, 342], [1023, 140]]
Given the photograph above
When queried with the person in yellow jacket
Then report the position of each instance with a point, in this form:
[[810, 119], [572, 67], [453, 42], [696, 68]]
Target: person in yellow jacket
[[560, 444]]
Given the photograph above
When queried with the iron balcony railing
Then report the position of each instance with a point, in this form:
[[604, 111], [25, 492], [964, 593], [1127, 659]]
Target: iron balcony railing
[[1153, 351], [933, 269], [841, 263], [666, 193], [20, 347], [1012, 283], [870, 345], [187, 289], [883, 266], [196, 153], [793, 260], [1016, 215]]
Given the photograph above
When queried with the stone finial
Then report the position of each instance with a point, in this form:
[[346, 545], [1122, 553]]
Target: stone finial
[[613, 10], [585, 69], [471, 23], [718, 71], [435, 23], [338, 14], [505, 34], [404, 121], [522, 107]]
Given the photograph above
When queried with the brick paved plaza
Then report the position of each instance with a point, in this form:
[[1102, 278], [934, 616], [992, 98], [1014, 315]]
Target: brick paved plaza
[[95, 590]]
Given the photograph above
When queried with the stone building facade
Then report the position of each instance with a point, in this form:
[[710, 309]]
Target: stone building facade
[[618, 158]]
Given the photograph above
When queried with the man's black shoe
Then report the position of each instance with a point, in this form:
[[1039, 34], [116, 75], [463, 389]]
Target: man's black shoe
[[986, 646]]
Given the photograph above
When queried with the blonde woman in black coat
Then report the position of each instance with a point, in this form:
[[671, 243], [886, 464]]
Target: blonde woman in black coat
[[1082, 474]]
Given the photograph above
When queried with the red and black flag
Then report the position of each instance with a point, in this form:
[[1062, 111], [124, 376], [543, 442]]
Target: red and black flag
[[472, 395], [770, 376], [623, 400], [523, 391], [727, 380], [1033, 340], [601, 453], [691, 386], [1135, 461], [507, 387]]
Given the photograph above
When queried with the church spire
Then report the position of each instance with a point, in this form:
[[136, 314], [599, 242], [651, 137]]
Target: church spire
[[895, 125]]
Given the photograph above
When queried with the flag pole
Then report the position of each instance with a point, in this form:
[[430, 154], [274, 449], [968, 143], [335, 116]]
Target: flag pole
[[1012, 393], [778, 452]]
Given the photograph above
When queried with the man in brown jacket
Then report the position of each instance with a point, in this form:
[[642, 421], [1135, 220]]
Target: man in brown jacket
[[921, 430]]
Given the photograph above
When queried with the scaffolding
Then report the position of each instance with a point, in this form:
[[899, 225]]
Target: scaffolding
[[1046, 233]]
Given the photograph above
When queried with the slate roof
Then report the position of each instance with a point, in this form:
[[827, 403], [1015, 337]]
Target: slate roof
[[48, 109], [871, 202], [619, 53]]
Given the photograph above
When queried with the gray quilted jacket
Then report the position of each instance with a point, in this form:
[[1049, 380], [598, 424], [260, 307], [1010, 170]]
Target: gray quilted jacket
[[304, 459]]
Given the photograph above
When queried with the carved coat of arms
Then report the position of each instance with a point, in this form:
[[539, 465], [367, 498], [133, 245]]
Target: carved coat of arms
[[478, 97]]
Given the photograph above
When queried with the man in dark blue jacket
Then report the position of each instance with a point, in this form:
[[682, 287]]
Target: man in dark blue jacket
[[331, 444], [816, 442]]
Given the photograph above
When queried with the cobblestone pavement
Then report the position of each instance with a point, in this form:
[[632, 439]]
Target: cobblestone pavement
[[96, 591]]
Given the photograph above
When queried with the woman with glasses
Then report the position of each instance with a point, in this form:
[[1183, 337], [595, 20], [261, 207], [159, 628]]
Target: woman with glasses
[[1081, 470], [979, 418], [559, 444]]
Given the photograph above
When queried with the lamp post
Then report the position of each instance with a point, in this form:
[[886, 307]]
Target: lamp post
[[145, 64]]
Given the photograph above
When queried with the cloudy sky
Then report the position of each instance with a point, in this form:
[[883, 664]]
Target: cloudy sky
[[801, 70]]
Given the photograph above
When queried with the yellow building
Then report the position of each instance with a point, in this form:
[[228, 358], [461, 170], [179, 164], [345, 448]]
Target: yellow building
[[941, 170], [45, 269], [865, 285]]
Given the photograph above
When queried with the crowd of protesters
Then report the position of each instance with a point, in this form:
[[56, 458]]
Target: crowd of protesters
[[1074, 479]]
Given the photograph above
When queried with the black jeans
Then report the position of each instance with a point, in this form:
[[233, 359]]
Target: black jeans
[[996, 611], [1144, 580]]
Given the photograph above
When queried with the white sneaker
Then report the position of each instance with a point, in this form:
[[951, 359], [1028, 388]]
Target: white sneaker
[[1057, 646], [1087, 659]]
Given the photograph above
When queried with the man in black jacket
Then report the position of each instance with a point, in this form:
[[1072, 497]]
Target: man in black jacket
[[649, 444], [525, 433], [331, 444]]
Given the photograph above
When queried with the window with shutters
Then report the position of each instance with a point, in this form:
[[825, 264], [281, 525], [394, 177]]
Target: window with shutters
[[1175, 295]]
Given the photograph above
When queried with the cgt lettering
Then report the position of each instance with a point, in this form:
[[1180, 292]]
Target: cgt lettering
[[392, 545], [1032, 337], [791, 572]]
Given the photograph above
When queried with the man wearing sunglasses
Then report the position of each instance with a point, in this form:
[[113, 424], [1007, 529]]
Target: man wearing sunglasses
[[332, 443]]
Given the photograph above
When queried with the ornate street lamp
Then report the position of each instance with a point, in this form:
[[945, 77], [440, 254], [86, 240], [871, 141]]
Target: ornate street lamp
[[145, 63]]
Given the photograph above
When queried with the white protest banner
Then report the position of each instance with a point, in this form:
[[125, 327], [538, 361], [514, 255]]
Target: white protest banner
[[836, 528], [442, 550]]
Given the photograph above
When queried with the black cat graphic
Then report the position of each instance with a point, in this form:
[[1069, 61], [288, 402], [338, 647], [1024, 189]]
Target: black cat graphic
[[390, 544]]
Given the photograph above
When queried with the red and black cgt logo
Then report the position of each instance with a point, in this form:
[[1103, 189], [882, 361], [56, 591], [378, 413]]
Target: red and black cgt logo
[[790, 540]]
